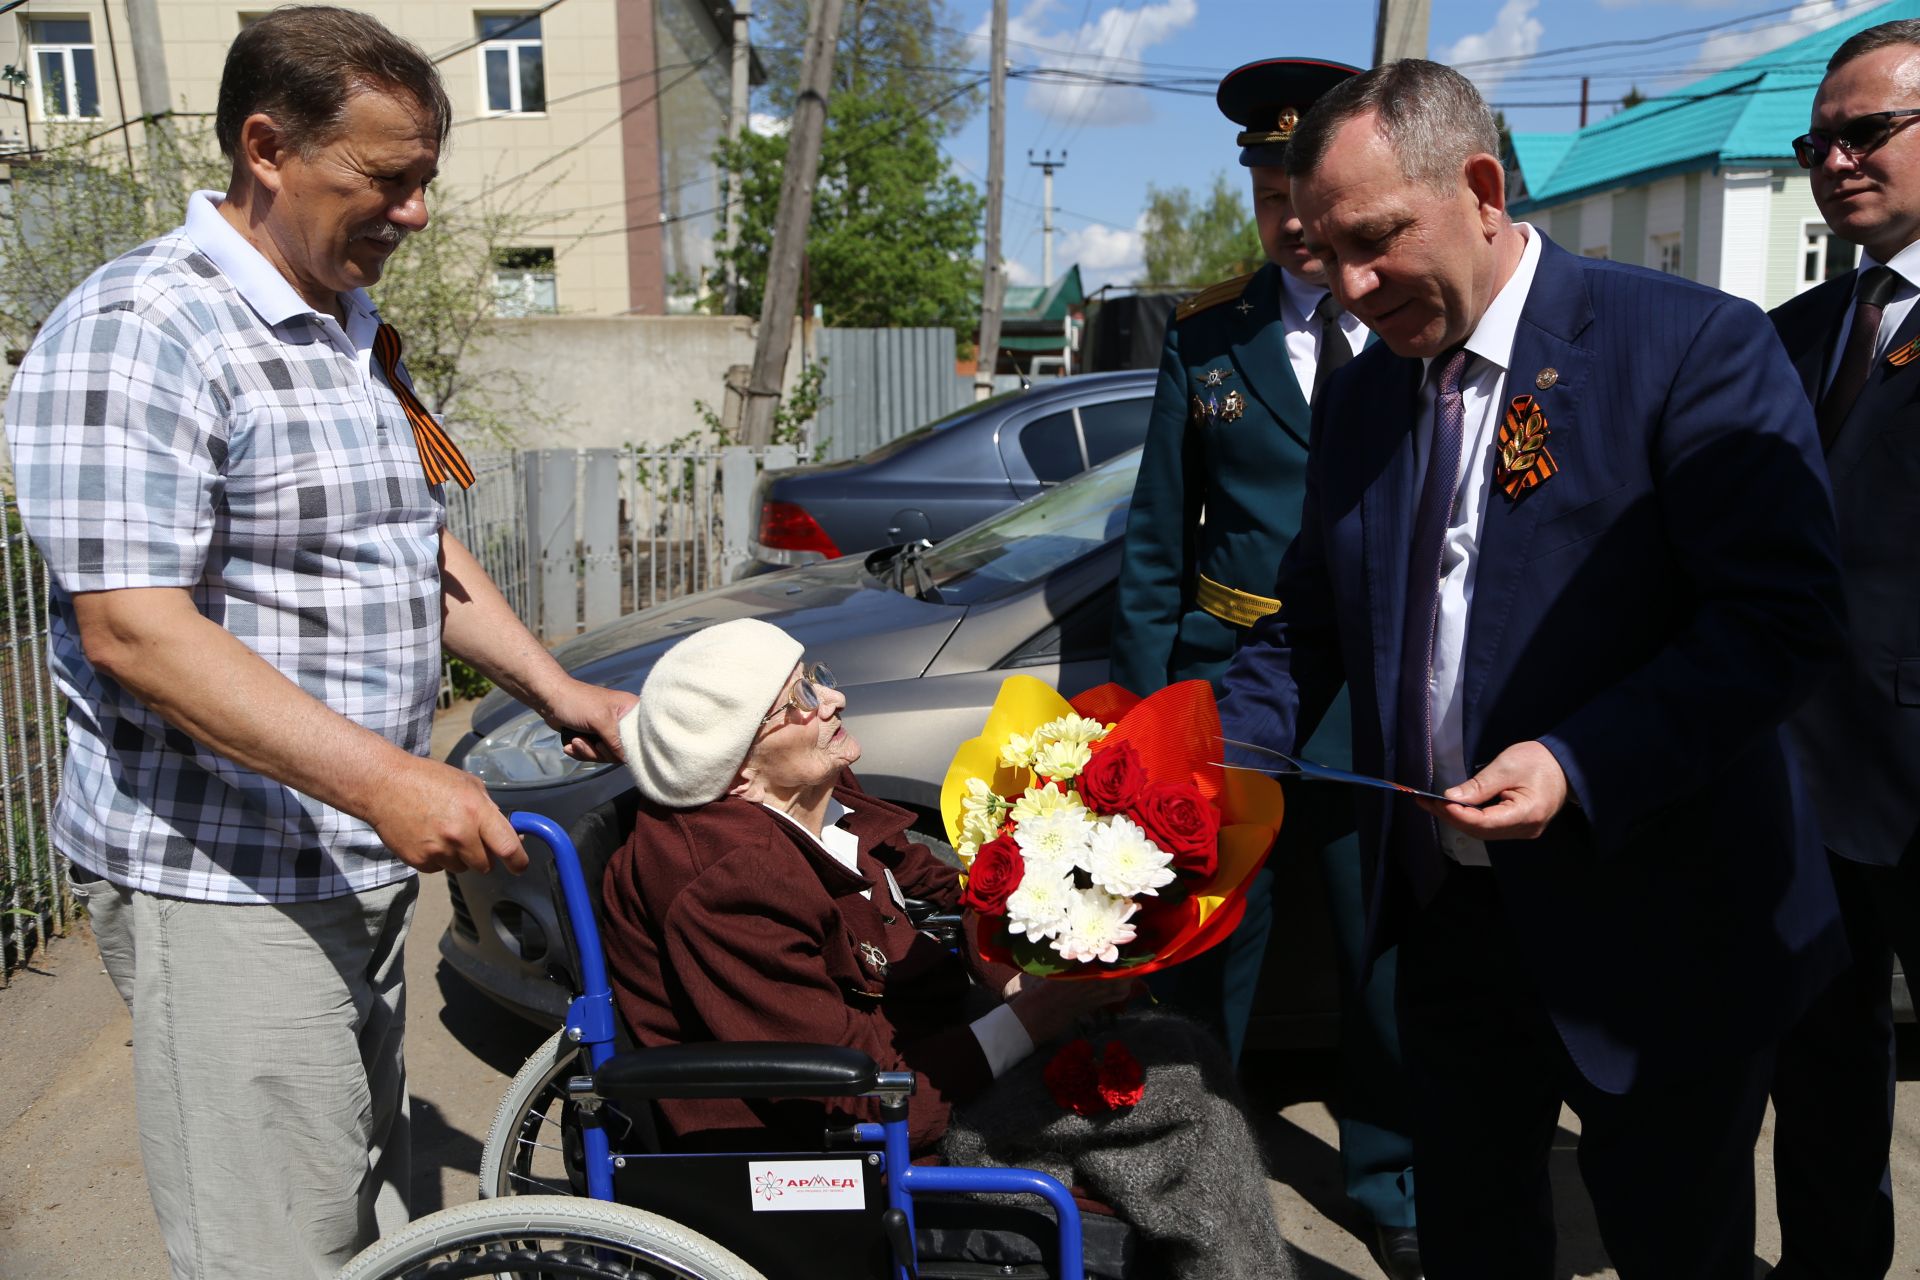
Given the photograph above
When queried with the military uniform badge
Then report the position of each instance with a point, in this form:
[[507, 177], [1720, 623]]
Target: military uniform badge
[[1211, 408], [1523, 461]]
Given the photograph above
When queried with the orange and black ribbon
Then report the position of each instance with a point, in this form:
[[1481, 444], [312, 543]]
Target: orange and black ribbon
[[439, 457], [1524, 460]]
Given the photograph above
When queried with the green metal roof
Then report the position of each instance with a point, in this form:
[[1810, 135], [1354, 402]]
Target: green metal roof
[[1049, 301], [1748, 115]]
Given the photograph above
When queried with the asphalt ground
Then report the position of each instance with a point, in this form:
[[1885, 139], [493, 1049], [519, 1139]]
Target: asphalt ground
[[73, 1201]]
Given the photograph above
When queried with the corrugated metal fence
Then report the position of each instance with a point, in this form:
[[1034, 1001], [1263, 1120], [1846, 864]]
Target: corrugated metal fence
[[883, 383]]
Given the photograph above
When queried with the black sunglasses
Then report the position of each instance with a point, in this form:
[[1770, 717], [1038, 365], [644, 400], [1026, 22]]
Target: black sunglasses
[[1858, 137]]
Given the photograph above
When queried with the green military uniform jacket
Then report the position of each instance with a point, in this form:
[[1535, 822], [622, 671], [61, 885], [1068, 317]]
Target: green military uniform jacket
[[1227, 441]]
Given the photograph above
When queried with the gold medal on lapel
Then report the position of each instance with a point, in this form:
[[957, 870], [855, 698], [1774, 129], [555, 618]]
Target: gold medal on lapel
[[876, 959], [1211, 408], [1523, 458]]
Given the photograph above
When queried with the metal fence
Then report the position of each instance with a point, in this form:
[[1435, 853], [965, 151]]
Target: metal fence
[[883, 383], [36, 901]]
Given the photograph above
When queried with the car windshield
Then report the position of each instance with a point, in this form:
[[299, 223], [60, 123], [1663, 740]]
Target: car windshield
[[953, 419], [1020, 546]]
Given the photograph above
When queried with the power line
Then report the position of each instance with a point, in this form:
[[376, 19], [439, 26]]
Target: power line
[[1638, 41], [505, 33]]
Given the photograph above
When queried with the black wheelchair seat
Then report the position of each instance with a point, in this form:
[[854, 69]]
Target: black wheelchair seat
[[962, 1237]]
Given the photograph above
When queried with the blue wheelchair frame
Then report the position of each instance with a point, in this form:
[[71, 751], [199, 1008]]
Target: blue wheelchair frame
[[591, 1023]]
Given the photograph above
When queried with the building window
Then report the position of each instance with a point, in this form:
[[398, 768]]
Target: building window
[[1666, 254], [1823, 255], [62, 53], [523, 283], [513, 75]]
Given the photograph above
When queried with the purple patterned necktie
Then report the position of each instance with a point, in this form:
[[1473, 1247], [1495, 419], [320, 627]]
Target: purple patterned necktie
[[1876, 289], [1417, 836]]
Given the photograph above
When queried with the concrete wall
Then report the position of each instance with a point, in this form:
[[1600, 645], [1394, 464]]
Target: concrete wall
[[615, 380]]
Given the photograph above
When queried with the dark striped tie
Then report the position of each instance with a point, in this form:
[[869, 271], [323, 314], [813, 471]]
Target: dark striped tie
[[1418, 838], [440, 458], [1874, 290]]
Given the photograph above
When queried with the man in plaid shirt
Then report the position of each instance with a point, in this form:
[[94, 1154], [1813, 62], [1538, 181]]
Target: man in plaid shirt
[[253, 582]]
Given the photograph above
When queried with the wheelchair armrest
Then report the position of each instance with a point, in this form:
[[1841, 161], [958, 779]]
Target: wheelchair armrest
[[738, 1069]]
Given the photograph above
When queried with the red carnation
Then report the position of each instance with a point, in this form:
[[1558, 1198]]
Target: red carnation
[[1112, 778], [1073, 1080], [1123, 1081], [1178, 818], [995, 874]]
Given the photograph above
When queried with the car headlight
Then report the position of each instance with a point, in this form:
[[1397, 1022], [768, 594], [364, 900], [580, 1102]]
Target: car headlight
[[524, 752]]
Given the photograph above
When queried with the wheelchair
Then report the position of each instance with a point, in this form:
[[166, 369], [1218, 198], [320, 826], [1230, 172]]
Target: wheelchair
[[575, 1180]]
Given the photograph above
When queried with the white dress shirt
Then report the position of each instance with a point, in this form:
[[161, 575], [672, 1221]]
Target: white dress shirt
[[1482, 394], [1003, 1037], [1298, 299], [1892, 316]]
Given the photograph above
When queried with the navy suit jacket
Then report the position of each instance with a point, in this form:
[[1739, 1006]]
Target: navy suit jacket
[[1860, 732], [1652, 613]]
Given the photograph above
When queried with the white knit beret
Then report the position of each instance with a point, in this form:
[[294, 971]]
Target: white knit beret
[[699, 710]]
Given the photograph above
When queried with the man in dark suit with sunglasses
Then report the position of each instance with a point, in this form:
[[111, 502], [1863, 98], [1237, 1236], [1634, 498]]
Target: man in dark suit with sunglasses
[[1855, 340]]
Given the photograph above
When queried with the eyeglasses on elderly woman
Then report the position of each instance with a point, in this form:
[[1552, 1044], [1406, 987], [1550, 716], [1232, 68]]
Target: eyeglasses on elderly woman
[[805, 698], [1858, 137]]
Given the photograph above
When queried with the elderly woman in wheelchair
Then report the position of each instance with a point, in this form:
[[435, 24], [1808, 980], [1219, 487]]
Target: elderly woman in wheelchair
[[765, 944]]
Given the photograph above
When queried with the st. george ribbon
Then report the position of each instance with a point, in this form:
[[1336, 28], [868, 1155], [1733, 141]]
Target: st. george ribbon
[[1286, 766]]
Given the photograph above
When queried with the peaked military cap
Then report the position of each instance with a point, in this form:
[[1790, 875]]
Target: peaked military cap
[[1267, 98]]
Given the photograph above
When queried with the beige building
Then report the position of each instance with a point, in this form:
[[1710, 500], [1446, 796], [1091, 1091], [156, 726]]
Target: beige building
[[592, 121]]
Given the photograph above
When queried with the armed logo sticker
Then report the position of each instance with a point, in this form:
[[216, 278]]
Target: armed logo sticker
[[784, 1186]]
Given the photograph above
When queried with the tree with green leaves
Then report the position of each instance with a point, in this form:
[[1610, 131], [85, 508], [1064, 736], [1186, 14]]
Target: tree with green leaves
[[1191, 239], [891, 240], [900, 46]]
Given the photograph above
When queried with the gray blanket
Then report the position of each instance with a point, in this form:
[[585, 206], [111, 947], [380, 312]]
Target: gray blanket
[[1183, 1166]]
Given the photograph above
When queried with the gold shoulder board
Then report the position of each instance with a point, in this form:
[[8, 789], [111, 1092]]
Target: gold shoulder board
[[1212, 296]]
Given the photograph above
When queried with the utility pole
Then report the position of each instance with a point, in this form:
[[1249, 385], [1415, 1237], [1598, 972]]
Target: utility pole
[[993, 286], [790, 223], [1399, 30], [1584, 80], [149, 65], [1046, 168], [736, 129]]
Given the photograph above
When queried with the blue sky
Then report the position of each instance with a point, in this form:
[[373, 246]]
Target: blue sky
[[1119, 140]]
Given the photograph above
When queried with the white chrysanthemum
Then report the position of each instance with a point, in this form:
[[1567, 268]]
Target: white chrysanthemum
[[1125, 862], [982, 812], [1097, 925], [1018, 753], [967, 851], [1038, 802], [1072, 729], [1058, 840], [1062, 760], [1040, 906]]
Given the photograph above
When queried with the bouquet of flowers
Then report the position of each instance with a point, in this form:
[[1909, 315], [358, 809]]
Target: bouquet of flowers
[[1098, 838]]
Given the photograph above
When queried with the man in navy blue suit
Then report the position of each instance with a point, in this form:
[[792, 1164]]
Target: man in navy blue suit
[[1568, 542], [1855, 341]]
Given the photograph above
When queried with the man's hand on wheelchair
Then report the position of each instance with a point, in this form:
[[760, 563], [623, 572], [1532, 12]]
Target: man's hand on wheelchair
[[438, 818], [1048, 1008]]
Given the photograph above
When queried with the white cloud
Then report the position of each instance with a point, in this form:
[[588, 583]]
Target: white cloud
[[1019, 272], [1730, 48], [1515, 33], [1096, 48], [1106, 255], [767, 125]]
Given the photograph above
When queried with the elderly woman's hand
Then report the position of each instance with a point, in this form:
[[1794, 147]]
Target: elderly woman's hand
[[1047, 1009]]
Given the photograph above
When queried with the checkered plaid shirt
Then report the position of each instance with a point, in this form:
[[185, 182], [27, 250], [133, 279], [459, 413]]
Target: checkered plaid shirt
[[184, 419]]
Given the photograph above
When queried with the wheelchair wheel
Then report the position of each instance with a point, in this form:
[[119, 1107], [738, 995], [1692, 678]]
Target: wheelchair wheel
[[546, 1237], [533, 1145]]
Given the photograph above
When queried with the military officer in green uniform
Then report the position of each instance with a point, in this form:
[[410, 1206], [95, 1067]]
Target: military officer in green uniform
[[1218, 500]]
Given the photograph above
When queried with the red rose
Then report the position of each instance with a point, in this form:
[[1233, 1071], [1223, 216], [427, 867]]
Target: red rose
[[1179, 819], [1123, 1081], [1073, 1080], [1112, 778], [995, 874]]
